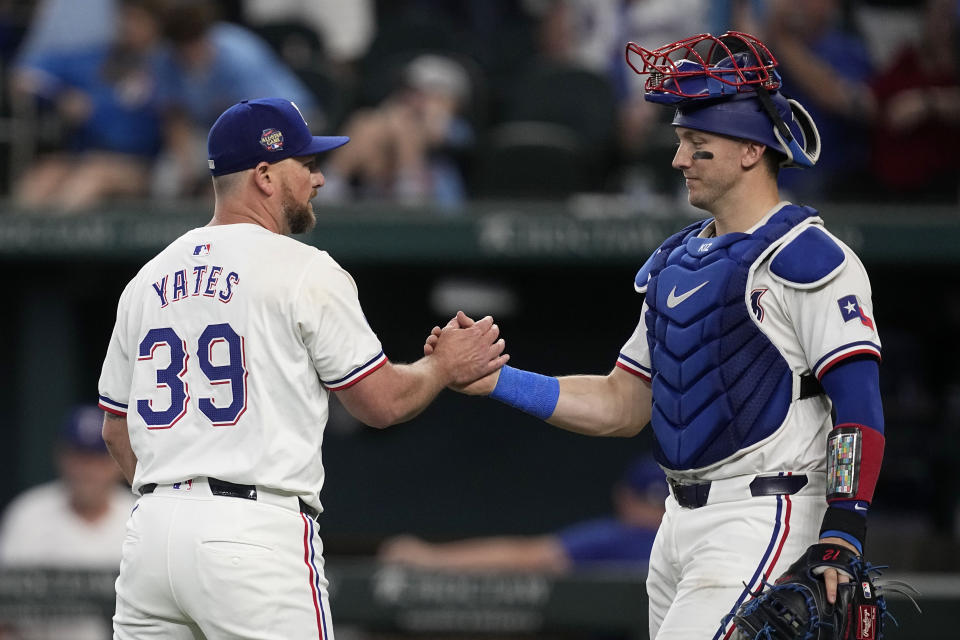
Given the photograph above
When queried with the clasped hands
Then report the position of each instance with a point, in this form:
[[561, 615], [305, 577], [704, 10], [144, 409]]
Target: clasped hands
[[472, 350]]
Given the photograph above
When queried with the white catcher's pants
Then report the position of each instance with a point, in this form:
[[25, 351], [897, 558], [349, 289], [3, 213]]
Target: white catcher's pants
[[701, 558], [199, 566]]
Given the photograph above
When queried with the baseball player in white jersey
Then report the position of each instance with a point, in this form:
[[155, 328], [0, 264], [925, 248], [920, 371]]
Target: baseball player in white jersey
[[756, 323], [216, 382]]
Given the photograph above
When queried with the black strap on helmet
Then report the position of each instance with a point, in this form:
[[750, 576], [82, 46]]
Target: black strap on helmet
[[764, 96]]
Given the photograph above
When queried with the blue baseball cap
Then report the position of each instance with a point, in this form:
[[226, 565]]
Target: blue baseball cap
[[82, 430], [644, 477], [262, 130]]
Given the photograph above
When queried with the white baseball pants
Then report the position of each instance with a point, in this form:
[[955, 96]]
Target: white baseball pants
[[199, 566], [703, 558]]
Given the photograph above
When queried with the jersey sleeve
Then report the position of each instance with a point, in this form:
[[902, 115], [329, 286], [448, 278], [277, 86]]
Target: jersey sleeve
[[835, 322], [117, 371], [343, 347], [635, 355]]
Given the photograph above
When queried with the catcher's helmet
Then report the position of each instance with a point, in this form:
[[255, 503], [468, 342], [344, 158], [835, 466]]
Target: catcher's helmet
[[729, 85]]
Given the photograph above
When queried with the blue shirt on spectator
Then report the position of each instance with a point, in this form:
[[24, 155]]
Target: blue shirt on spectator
[[607, 540], [845, 144], [62, 26], [124, 117], [243, 67]]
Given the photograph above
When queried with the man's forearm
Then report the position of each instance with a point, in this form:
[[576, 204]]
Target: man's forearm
[[392, 393], [117, 439], [614, 405], [412, 389]]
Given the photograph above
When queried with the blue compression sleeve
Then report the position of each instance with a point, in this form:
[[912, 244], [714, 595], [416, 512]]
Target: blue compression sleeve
[[530, 392], [854, 389]]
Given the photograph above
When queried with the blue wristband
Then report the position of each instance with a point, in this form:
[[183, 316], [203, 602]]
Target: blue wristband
[[843, 535], [530, 392]]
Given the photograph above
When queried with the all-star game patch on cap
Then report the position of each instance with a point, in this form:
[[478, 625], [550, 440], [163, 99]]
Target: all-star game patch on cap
[[262, 130]]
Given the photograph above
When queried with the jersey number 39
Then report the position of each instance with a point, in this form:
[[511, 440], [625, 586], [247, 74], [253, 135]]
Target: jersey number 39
[[234, 373]]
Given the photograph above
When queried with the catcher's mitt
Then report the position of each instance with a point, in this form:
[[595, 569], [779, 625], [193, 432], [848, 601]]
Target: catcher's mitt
[[796, 607]]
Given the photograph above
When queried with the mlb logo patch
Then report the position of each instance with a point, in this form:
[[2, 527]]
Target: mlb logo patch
[[202, 250], [850, 309], [271, 139]]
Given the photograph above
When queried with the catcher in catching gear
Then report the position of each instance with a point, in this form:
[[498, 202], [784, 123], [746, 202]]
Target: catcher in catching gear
[[796, 605], [755, 359]]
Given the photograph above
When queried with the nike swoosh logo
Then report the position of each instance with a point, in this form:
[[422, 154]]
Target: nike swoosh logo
[[859, 508], [673, 299]]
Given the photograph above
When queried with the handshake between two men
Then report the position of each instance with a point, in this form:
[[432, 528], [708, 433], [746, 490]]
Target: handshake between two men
[[472, 349]]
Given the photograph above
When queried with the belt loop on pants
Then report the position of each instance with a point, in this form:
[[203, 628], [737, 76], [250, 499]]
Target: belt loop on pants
[[696, 495], [232, 490]]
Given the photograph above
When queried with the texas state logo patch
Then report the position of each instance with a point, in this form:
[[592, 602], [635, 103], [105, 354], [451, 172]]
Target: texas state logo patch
[[272, 139], [850, 309]]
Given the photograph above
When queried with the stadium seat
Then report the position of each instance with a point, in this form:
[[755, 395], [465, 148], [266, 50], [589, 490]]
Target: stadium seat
[[566, 95], [529, 159]]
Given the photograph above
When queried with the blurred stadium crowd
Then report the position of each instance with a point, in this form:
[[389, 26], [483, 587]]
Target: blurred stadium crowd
[[107, 103], [452, 101]]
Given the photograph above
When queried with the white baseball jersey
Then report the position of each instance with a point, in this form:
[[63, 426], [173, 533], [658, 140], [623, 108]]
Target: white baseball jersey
[[706, 561], [225, 348], [814, 327]]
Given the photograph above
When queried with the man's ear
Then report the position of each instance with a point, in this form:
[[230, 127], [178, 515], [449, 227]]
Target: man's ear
[[752, 154], [264, 178]]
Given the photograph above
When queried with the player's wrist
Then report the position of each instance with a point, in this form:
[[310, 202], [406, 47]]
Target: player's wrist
[[841, 539], [530, 392], [846, 525], [441, 368]]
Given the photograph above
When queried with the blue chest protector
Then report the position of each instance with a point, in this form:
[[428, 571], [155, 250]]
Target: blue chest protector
[[719, 384]]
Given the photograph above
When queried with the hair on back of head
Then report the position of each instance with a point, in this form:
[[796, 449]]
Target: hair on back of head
[[227, 184], [772, 159]]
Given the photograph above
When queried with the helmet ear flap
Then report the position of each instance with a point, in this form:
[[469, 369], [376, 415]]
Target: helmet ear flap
[[803, 155]]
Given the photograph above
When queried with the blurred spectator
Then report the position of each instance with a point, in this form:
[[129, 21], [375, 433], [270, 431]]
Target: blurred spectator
[[345, 28], [827, 68], [64, 26], [75, 522], [496, 34], [917, 126], [593, 34], [210, 66], [739, 14], [104, 95], [406, 148], [15, 19], [487, 19], [624, 539]]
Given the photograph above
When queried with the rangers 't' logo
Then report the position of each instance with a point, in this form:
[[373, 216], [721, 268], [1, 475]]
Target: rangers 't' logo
[[755, 306]]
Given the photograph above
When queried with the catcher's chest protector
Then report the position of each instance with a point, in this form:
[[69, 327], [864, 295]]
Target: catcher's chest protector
[[719, 383]]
